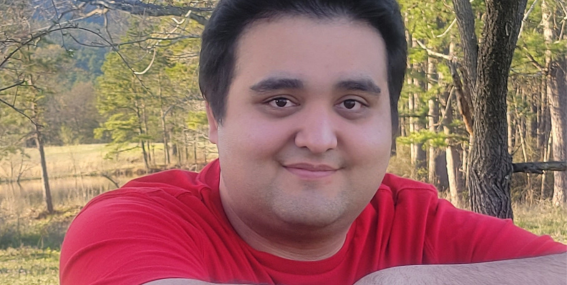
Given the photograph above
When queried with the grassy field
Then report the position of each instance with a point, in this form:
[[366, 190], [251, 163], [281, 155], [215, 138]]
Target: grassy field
[[542, 219], [30, 239], [84, 160]]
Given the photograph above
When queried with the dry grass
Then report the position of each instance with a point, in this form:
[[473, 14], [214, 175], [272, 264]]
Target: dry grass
[[64, 161], [84, 160], [542, 218]]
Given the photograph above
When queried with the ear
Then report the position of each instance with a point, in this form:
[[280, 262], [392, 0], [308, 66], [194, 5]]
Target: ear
[[213, 125]]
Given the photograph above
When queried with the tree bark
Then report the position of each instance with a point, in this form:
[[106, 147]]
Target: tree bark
[[44, 176], [556, 80], [490, 164], [469, 41], [464, 100], [539, 167], [558, 109], [511, 130]]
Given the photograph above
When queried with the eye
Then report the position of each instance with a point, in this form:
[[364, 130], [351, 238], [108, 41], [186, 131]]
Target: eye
[[281, 102], [351, 104]]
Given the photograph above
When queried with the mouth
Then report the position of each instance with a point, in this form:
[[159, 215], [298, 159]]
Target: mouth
[[311, 171]]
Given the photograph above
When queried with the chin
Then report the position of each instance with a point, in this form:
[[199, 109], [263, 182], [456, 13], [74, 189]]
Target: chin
[[310, 210]]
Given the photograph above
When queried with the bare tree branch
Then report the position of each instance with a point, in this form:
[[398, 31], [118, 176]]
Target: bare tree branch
[[533, 60], [448, 29], [107, 176], [19, 111], [33, 38], [102, 45], [436, 54], [139, 8], [526, 18], [149, 65], [447, 107], [12, 86]]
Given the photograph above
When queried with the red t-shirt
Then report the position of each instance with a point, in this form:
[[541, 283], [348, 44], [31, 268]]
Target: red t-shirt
[[172, 225]]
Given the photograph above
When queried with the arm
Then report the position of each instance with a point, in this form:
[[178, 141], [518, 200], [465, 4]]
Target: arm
[[178, 281], [550, 269]]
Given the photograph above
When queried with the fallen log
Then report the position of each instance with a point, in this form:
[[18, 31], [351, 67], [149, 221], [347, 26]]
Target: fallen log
[[539, 167]]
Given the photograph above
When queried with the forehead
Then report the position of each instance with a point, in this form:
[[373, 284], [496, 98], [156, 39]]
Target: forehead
[[302, 45]]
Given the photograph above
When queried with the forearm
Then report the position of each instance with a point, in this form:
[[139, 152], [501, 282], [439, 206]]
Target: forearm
[[551, 269], [180, 281]]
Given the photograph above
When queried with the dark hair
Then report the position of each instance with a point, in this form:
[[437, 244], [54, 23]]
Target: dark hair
[[232, 17]]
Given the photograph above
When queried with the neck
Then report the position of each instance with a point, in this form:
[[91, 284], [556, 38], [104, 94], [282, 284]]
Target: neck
[[288, 241]]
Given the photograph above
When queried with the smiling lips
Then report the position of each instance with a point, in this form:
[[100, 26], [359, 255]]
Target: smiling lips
[[310, 171]]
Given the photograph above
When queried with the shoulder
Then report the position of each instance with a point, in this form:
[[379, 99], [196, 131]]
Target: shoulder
[[155, 221], [404, 190], [446, 234], [163, 188]]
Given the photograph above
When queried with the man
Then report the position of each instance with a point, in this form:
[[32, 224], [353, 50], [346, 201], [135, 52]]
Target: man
[[302, 103]]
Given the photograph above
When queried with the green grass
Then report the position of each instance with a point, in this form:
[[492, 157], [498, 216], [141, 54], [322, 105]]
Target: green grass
[[29, 266], [35, 228], [542, 218]]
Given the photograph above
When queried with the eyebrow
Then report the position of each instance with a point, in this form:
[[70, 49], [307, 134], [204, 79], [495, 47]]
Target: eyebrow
[[279, 83], [366, 85], [276, 83]]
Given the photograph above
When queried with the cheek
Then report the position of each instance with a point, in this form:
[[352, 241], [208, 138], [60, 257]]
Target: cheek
[[253, 137], [369, 142]]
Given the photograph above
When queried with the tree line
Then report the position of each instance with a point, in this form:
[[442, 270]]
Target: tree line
[[485, 89]]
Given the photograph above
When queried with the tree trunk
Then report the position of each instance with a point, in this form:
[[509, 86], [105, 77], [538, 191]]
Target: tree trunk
[[533, 119], [511, 130], [453, 158], [145, 155], [433, 117], [166, 158], [558, 109], [543, 129], [413, 127], [145, 132], [557, 97], [469, 42], [490, 164], [39, 144], [44, 176], [418, 154]]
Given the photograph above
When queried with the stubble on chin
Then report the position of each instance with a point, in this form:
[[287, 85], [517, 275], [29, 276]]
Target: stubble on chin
[[308, 207]]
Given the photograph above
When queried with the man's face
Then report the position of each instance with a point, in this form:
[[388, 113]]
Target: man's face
[[306, 137]]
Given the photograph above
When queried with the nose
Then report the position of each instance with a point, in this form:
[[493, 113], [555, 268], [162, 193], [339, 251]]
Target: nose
[[317, 132]]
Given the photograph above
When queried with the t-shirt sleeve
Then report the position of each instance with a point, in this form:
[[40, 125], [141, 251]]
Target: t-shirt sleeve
[[129, 238], [458, 236]]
